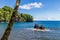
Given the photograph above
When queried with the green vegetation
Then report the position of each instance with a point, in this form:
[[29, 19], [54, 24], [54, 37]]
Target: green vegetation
[[6, 13]]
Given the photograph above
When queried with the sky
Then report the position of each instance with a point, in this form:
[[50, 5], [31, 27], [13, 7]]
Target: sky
[[39, 9]]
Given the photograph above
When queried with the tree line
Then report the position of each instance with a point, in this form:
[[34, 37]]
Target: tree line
[[6, 13]]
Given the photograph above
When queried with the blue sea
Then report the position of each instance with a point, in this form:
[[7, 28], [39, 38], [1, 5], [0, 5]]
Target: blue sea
[[25, 30]]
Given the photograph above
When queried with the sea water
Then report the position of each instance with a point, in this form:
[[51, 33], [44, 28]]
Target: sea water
[[25, 30]]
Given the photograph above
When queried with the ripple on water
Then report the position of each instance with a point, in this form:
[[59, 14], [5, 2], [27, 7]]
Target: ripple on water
[[26, 34]]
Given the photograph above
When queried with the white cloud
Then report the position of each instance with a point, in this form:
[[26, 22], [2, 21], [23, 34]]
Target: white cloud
[[40, 18], [31, 5], [47, 18], [36, 18]]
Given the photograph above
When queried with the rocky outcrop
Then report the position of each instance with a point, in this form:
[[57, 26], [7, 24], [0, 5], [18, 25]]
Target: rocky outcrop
[[42, 27], [36, 26], [39, 27]]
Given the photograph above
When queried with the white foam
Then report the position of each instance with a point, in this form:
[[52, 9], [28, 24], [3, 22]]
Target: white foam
[[41, 30], [37, 29]]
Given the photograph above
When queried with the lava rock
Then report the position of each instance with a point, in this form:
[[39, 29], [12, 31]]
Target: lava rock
[[42, 27], [36, 26]]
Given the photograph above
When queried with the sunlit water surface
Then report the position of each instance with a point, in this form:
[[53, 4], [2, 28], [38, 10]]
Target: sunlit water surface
[[25, 30]]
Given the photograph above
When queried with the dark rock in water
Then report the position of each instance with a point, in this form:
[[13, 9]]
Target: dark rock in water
[[39, 27], [42, 27], [36, 26]]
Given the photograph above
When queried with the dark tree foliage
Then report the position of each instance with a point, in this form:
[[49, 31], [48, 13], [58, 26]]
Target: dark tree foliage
[[27, 17]]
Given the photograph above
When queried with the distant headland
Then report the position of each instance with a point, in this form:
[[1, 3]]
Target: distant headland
[[6, 12]]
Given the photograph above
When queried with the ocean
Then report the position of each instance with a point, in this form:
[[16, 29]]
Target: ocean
[[25, 30]]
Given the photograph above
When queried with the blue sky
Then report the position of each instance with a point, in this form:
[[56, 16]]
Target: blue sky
[[39, 9]]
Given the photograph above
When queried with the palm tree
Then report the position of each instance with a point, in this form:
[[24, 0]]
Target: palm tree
[[9, 27]]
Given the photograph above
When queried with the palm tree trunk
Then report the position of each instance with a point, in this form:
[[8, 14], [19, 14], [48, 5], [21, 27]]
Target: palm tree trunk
[[10, 25]]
